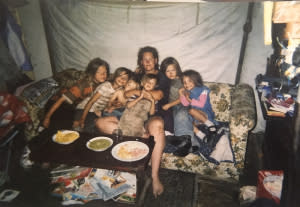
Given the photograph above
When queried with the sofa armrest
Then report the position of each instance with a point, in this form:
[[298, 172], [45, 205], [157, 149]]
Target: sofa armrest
[[243, 109], [242, 120]]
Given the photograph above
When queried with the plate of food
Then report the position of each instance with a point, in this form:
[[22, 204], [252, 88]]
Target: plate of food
[[99, 144], [65, 136], [130, 151]]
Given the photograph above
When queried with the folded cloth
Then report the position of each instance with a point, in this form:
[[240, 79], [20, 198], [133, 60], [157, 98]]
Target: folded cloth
[[221, 150]]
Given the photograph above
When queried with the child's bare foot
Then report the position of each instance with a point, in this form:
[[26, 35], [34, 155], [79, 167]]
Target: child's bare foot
[[158, 188]]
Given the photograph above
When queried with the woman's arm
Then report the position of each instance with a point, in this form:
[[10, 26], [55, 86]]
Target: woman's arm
[[157, 94], [171, 104], [53, 108], [87, 108]]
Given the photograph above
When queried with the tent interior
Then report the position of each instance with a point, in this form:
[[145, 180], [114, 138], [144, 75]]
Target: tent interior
[[225, 41], [204, 36]]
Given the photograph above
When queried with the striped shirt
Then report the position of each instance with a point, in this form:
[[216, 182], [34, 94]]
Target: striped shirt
[[106, 91]]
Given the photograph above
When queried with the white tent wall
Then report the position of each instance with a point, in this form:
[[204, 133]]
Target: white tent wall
[[203, 36]]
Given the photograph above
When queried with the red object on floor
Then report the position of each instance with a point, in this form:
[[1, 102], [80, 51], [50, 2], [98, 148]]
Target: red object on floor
[[12, 112], [269, 184]]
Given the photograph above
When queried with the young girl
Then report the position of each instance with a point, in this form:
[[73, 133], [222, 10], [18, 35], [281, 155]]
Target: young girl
[[118, 101], [171, 68], [96, 73], [138, 110], [196, 95], [183, 127], [91, 108]]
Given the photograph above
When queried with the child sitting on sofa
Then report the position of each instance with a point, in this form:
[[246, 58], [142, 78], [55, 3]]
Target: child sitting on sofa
[[96, 73], [171, 68], [196, 96], [91, 108]]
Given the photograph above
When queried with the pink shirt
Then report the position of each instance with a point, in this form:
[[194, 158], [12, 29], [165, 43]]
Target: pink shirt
[[195, 102]]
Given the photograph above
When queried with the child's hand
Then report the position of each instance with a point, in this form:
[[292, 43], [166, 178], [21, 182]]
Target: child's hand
[[76, 124], [186, 93], [98, 113], [46, 122], [109, 110], [165, 107], [181, 91], [81, 123], [148, 95], [117, 104], [141, 95]]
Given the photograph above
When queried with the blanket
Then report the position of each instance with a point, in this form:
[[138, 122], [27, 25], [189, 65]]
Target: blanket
[[222, 151]]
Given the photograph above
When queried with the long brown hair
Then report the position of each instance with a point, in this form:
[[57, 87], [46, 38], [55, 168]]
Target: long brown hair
[[194, 76]]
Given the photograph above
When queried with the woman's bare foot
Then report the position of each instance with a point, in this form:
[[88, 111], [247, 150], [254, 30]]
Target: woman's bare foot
[[158, 188]]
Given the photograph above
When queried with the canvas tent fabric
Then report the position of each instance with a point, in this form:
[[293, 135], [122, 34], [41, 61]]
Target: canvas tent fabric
[[192, 33], [203, 36]]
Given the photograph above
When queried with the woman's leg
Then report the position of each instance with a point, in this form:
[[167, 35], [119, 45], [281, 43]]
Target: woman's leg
[[155, 127], [107, 124]]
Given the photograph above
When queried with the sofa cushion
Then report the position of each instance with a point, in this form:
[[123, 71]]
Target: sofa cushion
[[197, 164], [220, 98]]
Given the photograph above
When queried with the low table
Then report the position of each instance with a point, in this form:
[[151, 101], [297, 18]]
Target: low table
[[44, 149]]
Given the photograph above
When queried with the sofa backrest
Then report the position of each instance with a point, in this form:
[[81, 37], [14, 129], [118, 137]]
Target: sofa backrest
[[220, 98]]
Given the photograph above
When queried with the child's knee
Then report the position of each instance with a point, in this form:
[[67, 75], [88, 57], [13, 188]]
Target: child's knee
[[192, 111]]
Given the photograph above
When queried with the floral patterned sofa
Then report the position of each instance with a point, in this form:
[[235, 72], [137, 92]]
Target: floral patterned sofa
[[231, 103]]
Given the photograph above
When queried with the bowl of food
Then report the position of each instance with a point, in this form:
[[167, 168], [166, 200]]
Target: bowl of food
[[99, 144]]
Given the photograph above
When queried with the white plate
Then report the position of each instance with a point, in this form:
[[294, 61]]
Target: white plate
[[99, 138], [132, 151], [65, 132]]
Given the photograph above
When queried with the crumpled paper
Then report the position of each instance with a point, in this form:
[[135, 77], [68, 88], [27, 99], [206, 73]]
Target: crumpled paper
[[247, 193]]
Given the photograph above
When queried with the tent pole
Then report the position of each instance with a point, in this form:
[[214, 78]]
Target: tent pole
[[247, 29]]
